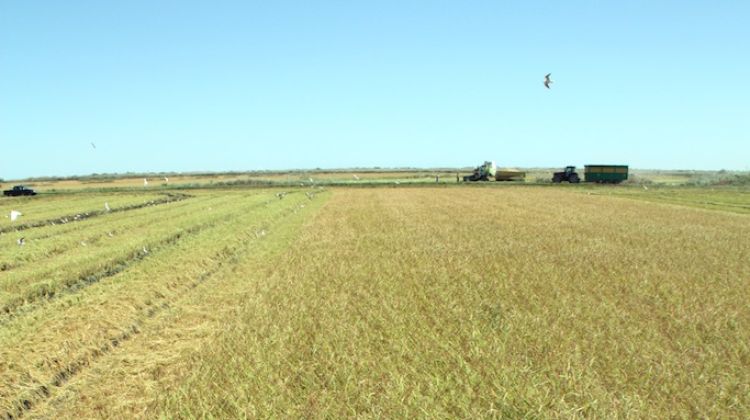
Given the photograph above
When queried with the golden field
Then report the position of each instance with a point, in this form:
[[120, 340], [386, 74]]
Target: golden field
[[382, 302]]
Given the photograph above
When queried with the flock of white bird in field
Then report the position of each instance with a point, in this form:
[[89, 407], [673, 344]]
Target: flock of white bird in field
[[15, 214]]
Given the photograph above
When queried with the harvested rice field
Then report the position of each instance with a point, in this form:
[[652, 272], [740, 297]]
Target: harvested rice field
[[460, 302]]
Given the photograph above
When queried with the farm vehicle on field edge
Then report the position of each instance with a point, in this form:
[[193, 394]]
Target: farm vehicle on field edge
[[18, 190], [568, 175], [484, 172], [489, 172], [601, 174]]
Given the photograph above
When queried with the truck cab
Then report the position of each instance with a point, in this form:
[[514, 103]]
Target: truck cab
[[19, 190]]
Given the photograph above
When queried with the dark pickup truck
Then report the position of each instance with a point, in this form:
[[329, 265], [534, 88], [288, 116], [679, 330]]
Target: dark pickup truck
[[19, 190]]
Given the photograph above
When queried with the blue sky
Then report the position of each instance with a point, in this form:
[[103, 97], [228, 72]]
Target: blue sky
[[225, 85]]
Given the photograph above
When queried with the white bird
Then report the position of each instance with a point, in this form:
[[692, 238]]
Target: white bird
[[645, 188], [355, 177], [14, 215], [166, 180], [111, 235], [106, 206], [145, 182], [145, 251], [83, 243], [310, 179], [547, 80], [21, 241]]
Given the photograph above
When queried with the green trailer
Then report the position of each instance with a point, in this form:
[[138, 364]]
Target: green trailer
[[607, 174]]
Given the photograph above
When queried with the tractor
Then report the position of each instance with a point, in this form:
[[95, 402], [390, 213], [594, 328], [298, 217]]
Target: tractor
[[569, 175]]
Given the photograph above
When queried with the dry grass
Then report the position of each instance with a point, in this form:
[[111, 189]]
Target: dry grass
[[513, 302], [154, 182], [405, 303], [732, 199]]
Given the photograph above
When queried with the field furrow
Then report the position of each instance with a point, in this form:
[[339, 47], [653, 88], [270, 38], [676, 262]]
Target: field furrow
[[34, 287], [91, 255], [148, 297], [37, 216], [59, 241]]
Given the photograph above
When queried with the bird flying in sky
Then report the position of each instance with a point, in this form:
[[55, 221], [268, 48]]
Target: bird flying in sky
[[93, 145], [547, 80]]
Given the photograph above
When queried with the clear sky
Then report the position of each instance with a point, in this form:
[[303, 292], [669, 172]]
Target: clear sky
[[242, 85]]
